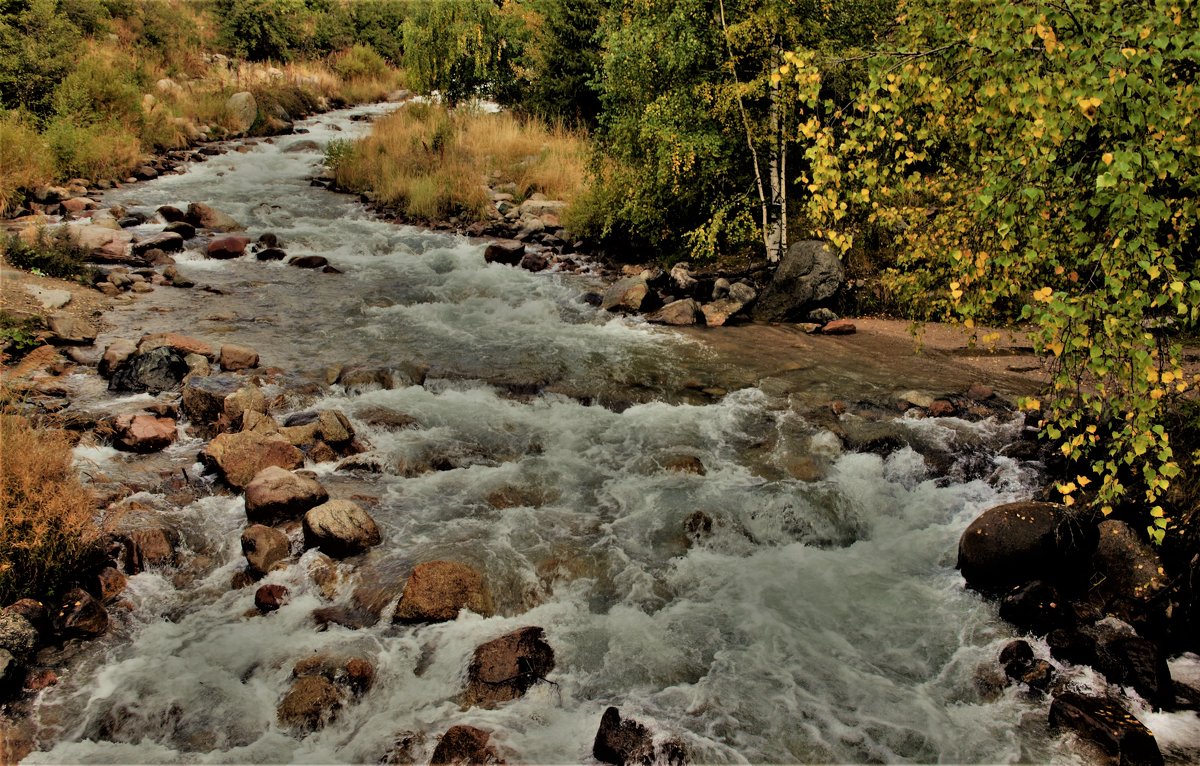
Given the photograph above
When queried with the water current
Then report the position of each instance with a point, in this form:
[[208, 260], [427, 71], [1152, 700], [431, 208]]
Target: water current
[[821, 620]]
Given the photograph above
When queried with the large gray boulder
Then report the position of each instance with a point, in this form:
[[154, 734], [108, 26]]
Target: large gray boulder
[[809, 274], [243, 109]]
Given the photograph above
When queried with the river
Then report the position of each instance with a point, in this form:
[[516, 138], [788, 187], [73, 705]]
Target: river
[[821, 620]]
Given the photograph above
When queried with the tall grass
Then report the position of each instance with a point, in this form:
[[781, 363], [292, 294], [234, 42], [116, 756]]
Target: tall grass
[[47, 527], [435, 163], [25, 160]]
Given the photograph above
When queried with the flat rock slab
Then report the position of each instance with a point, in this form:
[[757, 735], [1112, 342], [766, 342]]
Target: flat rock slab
[[50, 299]]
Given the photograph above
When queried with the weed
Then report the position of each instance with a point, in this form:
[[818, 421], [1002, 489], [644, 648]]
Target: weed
[[18, 335], [54, 252]]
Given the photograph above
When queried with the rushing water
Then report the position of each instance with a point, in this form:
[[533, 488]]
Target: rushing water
[[820, 621]]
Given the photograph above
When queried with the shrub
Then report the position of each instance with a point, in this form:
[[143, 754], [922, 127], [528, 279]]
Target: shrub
[[93, 151], [25, 161], [99, 91], [358, 63], [47, 527], [54, 253], [18, 335], [260, 29], [38, 47]]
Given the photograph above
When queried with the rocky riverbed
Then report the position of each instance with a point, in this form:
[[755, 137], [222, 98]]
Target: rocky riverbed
[[409, 505]]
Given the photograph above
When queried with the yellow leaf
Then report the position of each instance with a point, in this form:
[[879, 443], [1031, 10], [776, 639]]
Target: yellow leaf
[[1106, 510], [1083, 480], [1107, 158], [1088, 106], [1056, 347], [1044, 295], [1033, 405], [1068, 501]]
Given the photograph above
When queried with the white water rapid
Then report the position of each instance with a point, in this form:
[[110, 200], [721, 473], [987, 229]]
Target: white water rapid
[[820, 621]]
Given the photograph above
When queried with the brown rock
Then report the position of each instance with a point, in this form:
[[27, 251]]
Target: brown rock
[[839, 327], [269, 598], [182, 343], [465, 745], [309, 261], [143, 433], [311, 703], [204, 397], [406, 749], [81, 616], [680, 313], [630, 294], [115, 354], [239, 457], [153, 547], [720, 311], [684, 464], [264, 547], [942, 408], [513, 496], [235, 357], [202, 216], [235, 406], [321, 452], [334, 428], [275, 494], [70, 330], [107, 584], [437, 590], [1108, 725], [225, 248], [506, 251], [629, 742], [340, 528], [355, 674], [505, 668], [1131, 569]]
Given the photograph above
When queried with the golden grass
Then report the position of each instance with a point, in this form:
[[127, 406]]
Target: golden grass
[[25, 161], [47, 526], [437, 163]]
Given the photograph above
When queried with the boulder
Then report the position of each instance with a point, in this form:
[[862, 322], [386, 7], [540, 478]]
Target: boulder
[[1128, 567], [167, 241], [1131, 660], [182, 228], [340, 528], [506, 251], [505, 668], [160, 369], [720, 311], [1035, 606], [268, 598], [680, 313], [809, 273], [1012, 544], [838, 327], [171, 214], [70, 330], [311, 703], [437, 590], [204, 217], [143, 433], [1108, 725], [235, 406], [18, 635], [270, 254], [239, 457], [243, 110], [276, 495], [235, 357], [204, 397], [107, 583], [465, 745], [80, 616], [630, 294], [264, 547], [94, 237], [355, 674], [114, 355], [334, 428], [184, 344], [224, 248], [153, 547], [629, 742], [309, 261]]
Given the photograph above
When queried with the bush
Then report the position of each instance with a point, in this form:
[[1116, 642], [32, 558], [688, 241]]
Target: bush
[[18, 336], [47, 529], [93, 151], [54, 253], [259, 30], [359, 63], [99, 91], [38, 47], [25, 161]]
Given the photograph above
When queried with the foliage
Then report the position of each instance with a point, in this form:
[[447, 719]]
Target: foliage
[[561, 61], [25, 161], [92, 151], [1041, 161], [37, 49], [53, 253], [359, 62], [18, 335], [463, 49], [47, 530], [261, 30]]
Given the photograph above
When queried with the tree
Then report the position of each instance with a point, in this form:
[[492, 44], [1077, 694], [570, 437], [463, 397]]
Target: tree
[[1040, 160], [37, 50], [462, 49], [261, 30]]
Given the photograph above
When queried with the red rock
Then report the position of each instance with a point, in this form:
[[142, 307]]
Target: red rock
[[269, 598], [941, 408], [839, 327], [154, 546], [235, 357], [224, 248], [465, 745], [108, 583], [505, 668], [143, 433], [182, 343], [437, 590], [38, 680]]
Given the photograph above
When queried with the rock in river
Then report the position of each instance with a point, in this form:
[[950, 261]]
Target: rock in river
[[505, 668], [437, 590], [276, 495], [340, 528], [239, 457]]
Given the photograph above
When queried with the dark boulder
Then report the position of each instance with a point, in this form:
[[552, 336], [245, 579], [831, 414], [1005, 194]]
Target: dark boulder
[[506, 251], [1137, 662], [270, 254], [505, 668], [629, 742], [809, 273], [268, 598], [157, 370], [1108, 725], [1012, 544], [465, 745], [182, 228], [167, 241], [1035, 606], [80, 616], [171, 214], [309, 261]]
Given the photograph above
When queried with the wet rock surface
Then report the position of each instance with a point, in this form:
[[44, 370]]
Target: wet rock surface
[[505, 668], [437, 590]]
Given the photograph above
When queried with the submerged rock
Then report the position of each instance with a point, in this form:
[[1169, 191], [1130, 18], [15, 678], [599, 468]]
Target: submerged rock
[[1108, 725], [629, 742], [437, 590], [465, 745], [311, 703]]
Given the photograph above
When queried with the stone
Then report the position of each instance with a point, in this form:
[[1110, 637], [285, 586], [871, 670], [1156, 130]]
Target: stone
[[107, 584], [304, 145], [12, 675], [243, 110], [239, 457], [334, 428], [268, 598], [535, 262], [437, 590], [537, 208], [270, 254], [143, 433], [114, 355], [204, 397], [225, 248], [629, 742], [1137, 662], [1013, 544], [720, 311], [155, 371], [683, 464], [235, 357], [505, 668], [184, 344], [206, 217], [153, 547], [311, 703], [838, 327], [681, 313], [276, 495], [141, 287], [70, 330], [340, 528], [942, 408], [167, 241], [355, 674], [1035, 606], [309, 261], [742, 293], [171, 214], [18, 635], [1108, 725], [1129, 567], [809, 273], [236, 405], [264, 547], [81, 616], [51, 300], [406, 748], [630, 294], [462, 745]]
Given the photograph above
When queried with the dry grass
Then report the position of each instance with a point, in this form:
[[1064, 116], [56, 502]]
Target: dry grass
[[25, 161], [436, 163], [47, 527]]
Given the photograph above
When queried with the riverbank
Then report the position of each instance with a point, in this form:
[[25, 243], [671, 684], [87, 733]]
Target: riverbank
[[639, 499]]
